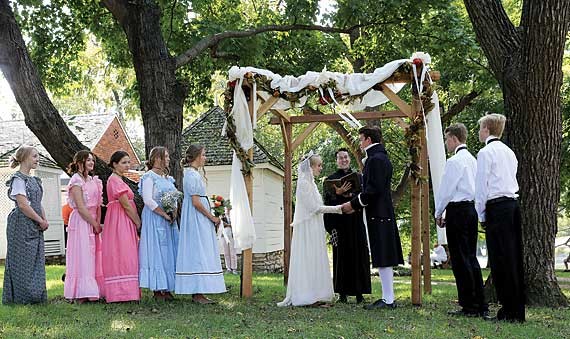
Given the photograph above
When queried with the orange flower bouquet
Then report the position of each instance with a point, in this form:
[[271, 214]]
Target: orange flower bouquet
[[219, 204]]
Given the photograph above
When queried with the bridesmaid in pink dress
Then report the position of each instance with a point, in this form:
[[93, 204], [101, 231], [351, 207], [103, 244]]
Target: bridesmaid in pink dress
[[120, 241], [84, 273]]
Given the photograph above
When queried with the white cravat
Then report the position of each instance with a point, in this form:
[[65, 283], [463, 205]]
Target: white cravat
[[496, 174], [458, 178], [366, 149]]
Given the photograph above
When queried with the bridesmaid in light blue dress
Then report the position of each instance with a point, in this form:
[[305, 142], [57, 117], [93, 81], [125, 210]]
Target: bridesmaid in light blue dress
[[198, 267], [159, 234]]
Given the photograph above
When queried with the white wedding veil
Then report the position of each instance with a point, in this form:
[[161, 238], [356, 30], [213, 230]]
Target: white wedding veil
[[307, 196]]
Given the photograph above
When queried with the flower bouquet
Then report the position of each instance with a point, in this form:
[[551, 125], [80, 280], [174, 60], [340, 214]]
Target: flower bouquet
[[220, 204], [169, 201]]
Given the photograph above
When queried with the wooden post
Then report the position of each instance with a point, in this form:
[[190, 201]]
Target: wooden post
[[287, 130], [425, 220], [246, 254], [416, 227]]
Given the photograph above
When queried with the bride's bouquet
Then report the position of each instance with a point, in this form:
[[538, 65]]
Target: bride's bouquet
[[169, 201]]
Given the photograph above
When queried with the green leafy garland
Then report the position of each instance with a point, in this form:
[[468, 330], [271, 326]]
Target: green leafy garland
[[262, 82]]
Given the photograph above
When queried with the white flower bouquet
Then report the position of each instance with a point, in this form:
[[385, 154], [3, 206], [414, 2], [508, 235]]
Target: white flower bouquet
[[169, 201]]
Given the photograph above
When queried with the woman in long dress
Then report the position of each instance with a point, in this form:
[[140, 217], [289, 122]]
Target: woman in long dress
[[119, 240], [24, 274], [159, 235], [310, 281], [198, 268], [83, 271]]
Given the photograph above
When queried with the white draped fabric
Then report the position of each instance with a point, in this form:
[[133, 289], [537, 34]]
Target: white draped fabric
[[243, 226], [436, 153], [351, 84], [242, 221]]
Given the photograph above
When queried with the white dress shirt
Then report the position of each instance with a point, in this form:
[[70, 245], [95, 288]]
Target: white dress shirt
[[496, 174], [458, 180], [363, 162]]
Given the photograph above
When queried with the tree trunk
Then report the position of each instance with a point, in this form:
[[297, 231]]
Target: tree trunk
[[162, 95], [40, 115], [527, 62]]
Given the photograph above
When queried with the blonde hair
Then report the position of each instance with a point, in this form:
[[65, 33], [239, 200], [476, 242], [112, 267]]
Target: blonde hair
[[494, 122], [314, 159], [157, 153], [21, 154]]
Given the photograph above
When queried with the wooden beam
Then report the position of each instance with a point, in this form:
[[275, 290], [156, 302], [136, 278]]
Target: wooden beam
[[407, 78], [301, 137], [425, 219], [247, 255], [287, 133], [396, 100], [416, 226], [301, 119], [266, 106], [281, 114]]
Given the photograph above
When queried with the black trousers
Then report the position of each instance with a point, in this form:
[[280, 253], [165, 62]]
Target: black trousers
[[504, 245], [461, 229]]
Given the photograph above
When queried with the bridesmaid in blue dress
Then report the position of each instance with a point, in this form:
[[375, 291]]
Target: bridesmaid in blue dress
[[159, 235], [198, 267]]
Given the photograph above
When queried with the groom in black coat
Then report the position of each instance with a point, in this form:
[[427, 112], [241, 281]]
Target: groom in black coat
[[376, 200]]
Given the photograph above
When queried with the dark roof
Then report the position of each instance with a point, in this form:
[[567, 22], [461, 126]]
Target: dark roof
[[87, 127], [207, 131]]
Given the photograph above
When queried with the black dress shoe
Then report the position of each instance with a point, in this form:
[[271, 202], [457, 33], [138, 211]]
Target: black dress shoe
[[380, 303], [343, 299], [463, 313]]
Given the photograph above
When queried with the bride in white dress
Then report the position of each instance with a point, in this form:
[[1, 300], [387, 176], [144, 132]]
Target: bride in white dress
[[310, 279]]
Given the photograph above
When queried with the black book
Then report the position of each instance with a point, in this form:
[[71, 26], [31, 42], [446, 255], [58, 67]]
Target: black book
[[352, 178]]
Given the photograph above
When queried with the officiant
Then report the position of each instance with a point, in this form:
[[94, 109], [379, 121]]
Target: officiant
[[351, 261]]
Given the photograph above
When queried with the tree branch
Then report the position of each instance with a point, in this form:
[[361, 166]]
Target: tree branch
[[404, 183], [213, 40], [459, 106], [117, 8], [495, 32]]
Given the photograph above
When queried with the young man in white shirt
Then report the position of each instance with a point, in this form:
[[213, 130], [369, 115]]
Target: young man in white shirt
[[457, 198], [496, 202]]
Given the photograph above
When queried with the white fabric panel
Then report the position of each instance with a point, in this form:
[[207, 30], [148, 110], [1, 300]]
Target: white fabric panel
[[242, 220], [436, 153]]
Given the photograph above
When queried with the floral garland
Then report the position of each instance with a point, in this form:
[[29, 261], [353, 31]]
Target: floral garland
[[264, 83]]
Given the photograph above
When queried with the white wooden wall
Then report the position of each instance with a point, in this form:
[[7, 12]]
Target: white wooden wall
[[267, 202], [53, 237]]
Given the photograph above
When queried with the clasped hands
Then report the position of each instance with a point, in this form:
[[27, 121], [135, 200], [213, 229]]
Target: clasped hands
[[346, 208]]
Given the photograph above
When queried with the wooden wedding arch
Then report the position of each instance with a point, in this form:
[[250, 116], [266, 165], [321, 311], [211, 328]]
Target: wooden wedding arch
[[409, 116]]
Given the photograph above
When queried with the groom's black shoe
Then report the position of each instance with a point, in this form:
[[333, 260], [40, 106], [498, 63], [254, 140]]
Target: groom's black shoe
[[343, 299], [380, 303]]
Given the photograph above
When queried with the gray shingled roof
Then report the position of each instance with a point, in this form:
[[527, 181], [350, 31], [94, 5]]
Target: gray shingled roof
[[207, 131], [87, 127]]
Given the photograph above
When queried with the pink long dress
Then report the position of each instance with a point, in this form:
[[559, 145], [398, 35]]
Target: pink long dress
[[120, 246], [84, 272]]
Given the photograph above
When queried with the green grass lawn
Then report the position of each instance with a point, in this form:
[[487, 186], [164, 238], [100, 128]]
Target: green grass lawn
[[259, 317]]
